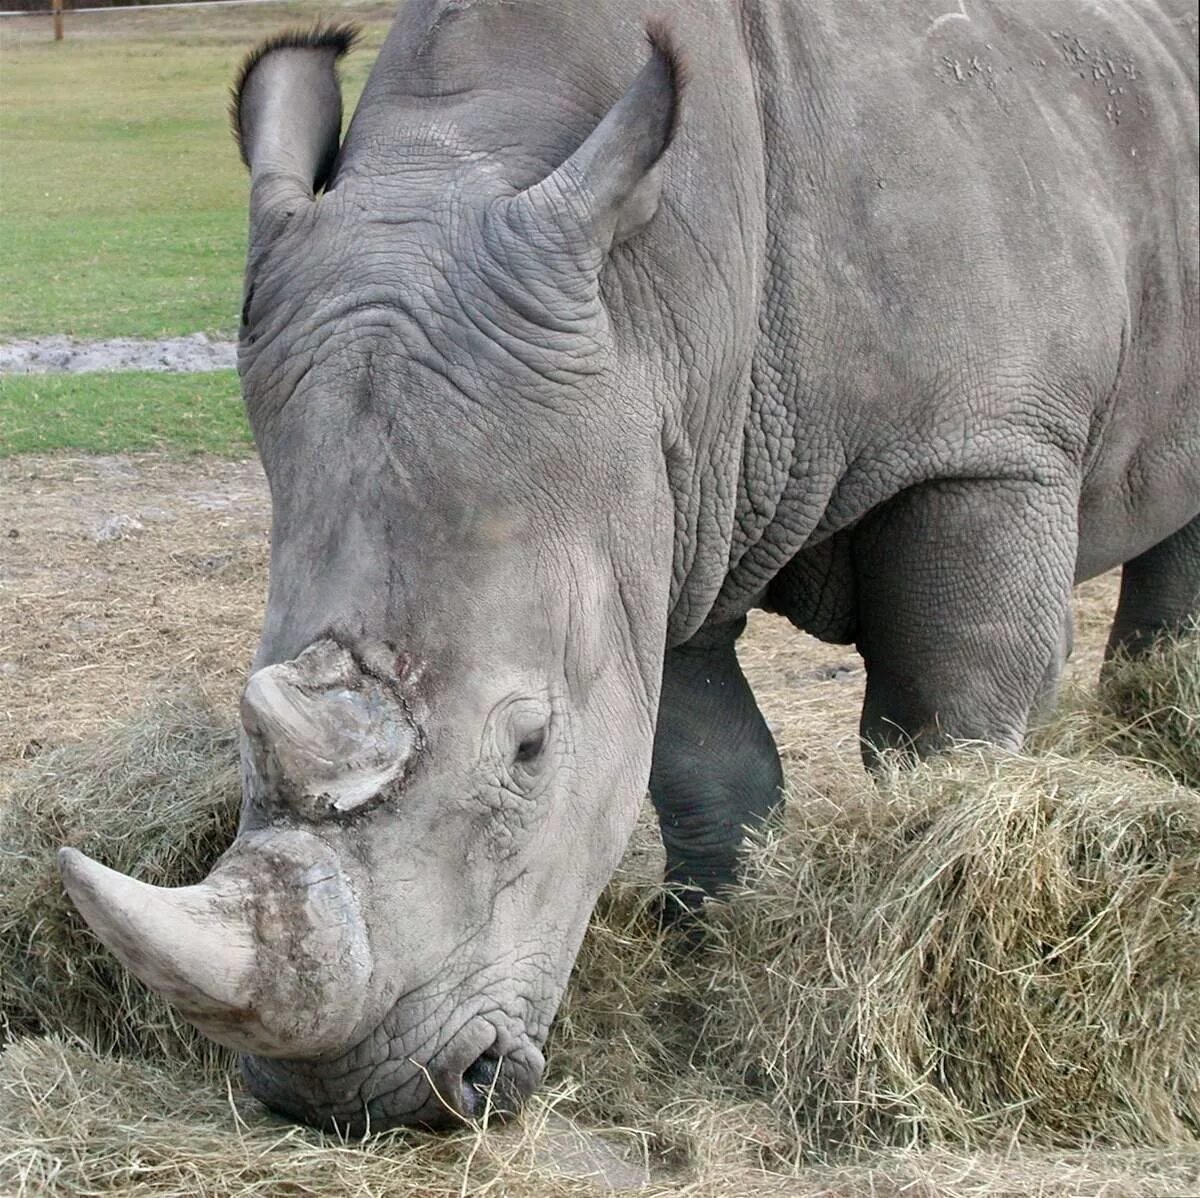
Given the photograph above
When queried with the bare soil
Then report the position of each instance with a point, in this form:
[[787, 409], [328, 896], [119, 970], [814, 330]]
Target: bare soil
[[120, 576]]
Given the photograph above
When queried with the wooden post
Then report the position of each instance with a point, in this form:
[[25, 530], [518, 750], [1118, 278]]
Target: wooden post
[[58, 28]]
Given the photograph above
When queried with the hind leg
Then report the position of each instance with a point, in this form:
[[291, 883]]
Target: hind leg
[[1160, 591], [964, 591]]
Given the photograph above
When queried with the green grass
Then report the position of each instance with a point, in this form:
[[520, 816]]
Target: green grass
[[122, 199], [112, 413]]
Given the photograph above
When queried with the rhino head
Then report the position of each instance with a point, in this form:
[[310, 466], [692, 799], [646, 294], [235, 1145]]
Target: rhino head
[[448, 729]]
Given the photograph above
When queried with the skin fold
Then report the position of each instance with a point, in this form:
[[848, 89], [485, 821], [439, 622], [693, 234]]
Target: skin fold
[[573, 351]]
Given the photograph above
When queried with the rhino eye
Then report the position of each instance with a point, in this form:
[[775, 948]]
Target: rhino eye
[[530, 747], [520, 734], [246, 305]]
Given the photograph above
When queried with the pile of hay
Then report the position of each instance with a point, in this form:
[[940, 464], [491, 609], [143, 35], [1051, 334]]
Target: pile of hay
[[156, 797], [75, 1123], [984, 948], [980, 978], [1145, 709]]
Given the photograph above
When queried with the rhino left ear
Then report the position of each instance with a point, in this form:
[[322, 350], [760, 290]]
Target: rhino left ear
[[287, 118], [610, 187]]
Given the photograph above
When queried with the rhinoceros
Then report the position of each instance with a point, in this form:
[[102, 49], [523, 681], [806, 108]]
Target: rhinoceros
[[589, 337]]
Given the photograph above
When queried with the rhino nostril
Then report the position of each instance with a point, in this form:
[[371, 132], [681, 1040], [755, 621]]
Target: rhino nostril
[[484, 1089]]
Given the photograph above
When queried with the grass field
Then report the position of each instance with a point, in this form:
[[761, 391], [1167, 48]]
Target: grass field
[[122, 199], [122, 411]]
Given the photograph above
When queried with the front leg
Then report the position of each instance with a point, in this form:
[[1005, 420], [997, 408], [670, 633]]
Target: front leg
[[715, 769], [963, 590]]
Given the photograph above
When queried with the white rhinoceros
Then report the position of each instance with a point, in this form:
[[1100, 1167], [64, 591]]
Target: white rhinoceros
[[886, 321]]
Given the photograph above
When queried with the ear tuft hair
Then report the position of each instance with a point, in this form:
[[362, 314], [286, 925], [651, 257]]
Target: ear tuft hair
[[661, 37], [340, 38]]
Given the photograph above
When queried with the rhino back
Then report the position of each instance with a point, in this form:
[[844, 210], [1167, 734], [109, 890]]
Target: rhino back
[[978, 261]]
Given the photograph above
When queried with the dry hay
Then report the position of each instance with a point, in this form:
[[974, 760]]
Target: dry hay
[[986, 948], [77, 1123], [980, 978], [1145, 709], [156, 797]]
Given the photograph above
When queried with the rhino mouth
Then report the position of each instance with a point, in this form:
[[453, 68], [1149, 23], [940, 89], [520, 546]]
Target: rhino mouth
[[357, 1094]]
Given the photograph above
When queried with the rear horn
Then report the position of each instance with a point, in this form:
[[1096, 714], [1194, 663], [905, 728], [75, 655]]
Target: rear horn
[[324, 736]]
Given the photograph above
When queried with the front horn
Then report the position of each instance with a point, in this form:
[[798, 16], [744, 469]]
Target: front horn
[[268, 955]]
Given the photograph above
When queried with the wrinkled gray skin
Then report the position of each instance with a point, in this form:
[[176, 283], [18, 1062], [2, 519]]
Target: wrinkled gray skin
[[898, 338]]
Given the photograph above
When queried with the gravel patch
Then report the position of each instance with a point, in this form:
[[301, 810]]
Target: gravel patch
[[65, 355]]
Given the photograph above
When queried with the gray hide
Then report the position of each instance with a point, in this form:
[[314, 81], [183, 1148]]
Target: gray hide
[[882, 316]]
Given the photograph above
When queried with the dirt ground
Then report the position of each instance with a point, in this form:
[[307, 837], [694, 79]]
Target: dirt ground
[[120, 576]]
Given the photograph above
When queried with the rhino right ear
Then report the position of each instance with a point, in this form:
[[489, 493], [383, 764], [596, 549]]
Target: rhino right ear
[[287, 117], [610, 187]]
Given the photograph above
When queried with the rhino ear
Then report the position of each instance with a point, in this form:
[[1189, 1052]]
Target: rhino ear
[[287, 115], [610, 186]]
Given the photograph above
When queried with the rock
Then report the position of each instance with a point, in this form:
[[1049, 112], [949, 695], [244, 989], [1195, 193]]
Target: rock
[[838, 673], [118, 528], [65, 355]]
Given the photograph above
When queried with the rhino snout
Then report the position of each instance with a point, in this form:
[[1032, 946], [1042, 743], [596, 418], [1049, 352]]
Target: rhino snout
[[382, 1082]]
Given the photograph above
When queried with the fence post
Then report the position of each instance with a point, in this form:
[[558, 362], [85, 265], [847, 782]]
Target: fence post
[[58, 24]]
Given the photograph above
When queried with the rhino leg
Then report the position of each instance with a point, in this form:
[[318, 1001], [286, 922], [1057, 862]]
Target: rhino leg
[[1047, 696], [715, 769], [1160, 592], [963, 593]]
